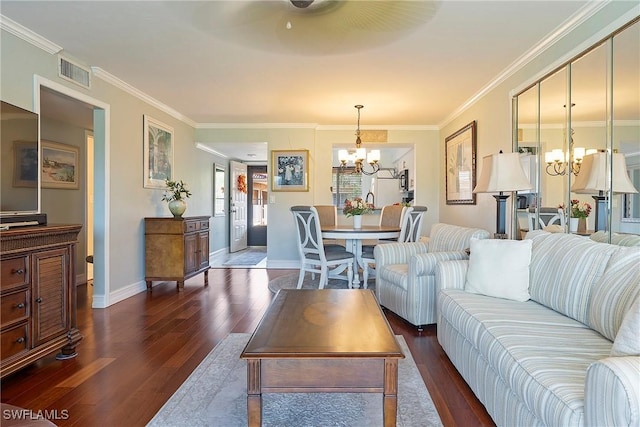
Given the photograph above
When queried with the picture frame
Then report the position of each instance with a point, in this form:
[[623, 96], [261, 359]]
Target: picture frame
[[219, 187], [25, 164], [460, 166], [60, 165], [158, 153], [290, 170]]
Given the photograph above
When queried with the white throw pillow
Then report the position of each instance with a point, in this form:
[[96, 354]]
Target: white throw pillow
[[627, 342], [499, 268]]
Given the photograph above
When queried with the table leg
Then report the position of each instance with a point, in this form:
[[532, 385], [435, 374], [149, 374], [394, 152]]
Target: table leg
[[254, 393], [352, 246], [390, 394]]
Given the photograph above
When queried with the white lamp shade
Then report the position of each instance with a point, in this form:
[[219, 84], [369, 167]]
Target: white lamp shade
[[343, 155], [502, 172], [361, 153], [373, 156], [593, 176]]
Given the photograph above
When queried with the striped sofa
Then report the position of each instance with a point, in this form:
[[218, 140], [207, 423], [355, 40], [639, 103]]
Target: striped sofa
[[548, 361], [405, 281]]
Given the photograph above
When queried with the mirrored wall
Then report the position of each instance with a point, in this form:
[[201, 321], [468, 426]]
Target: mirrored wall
[[578, 134]]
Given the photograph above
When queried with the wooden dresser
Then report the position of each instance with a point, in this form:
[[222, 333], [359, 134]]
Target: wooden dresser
[[176, 249], [37, 294]]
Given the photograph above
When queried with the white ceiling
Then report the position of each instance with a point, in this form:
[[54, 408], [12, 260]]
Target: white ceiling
[[408, 63]]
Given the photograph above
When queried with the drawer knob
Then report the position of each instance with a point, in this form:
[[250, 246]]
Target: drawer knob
[[21, 305], [18, 271], [20, 340], [39, 300]]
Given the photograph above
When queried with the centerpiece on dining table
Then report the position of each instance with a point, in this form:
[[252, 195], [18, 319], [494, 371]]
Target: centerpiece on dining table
[[356, 208], [578, 215]]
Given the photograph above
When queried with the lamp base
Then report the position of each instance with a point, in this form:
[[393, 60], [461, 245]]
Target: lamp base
[[501, 214]]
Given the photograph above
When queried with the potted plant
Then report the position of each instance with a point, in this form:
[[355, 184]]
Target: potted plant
[[175, 194], [578, 214]]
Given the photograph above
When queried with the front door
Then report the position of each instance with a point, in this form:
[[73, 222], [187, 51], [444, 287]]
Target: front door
[[238, 207], [257, 232]]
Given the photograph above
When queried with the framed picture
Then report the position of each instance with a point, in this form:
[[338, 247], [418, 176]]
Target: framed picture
[[290, 170], [25, 164], [59, 165], [158, 153], [219, 185], [460, 166]]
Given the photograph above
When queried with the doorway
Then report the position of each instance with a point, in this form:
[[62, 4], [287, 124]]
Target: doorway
[[257, 215]]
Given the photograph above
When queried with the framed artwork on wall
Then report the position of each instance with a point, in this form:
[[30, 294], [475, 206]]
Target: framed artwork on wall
[[290, 170], [158, 153], [25, 164], [460, 166], [59, 165]]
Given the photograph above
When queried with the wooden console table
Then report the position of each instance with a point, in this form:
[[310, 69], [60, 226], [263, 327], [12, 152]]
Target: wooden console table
[[37, 294], [176, 249]]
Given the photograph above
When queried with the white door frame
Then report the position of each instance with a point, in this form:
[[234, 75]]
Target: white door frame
[[101, 133], [238, 208]]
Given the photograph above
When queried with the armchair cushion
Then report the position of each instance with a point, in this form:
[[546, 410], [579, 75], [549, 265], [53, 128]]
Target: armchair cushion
[[446, 237], [396, 273]]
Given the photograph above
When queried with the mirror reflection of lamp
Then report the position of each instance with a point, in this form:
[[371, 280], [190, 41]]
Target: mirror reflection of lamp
[[594, 178]]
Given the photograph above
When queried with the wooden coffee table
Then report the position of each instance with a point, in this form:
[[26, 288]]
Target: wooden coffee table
[[329, 340]]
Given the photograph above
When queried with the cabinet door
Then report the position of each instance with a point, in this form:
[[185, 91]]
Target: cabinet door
[[203, 250], [51, 278], [190, 253]]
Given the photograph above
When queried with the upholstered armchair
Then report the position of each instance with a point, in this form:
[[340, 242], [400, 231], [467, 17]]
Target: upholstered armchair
[[405, 272]]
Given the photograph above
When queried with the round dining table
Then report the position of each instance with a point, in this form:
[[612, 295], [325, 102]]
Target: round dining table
[[353, 238]]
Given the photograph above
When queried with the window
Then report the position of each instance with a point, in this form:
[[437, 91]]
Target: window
[[345, 184]]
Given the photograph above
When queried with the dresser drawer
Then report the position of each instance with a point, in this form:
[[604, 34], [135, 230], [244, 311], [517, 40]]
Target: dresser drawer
[[13, 272], [14, 307], [204, 225], [14, 341], [190, 226]]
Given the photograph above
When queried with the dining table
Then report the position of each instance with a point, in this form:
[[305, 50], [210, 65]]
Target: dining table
[[353, 238]]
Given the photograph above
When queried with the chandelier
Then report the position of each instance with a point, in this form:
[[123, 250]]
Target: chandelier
[[360, 155], [558, 164]]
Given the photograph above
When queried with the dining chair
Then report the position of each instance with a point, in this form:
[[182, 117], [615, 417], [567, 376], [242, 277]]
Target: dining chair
[[315, 259], [328, 215], [409, 232], [547, 216]]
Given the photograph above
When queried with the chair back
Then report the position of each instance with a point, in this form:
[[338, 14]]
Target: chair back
[[546, 216], [328, 215], [392, 215], [412, 224], [309, 232], [447, 237]]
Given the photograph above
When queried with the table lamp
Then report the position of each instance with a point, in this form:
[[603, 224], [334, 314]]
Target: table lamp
[[501, 173], [594, 178]]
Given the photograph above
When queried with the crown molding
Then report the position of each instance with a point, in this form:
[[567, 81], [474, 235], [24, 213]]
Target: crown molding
[[121, 84], [29, 36], [561, 31], [256, 126], [378, 127], [208, 149]]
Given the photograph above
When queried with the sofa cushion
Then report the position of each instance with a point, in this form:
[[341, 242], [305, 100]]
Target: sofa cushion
[[627, 341], [619, 239], [616, 290], [397, 274], [499, 268], [541, 354], [564, 268], [447, 237]]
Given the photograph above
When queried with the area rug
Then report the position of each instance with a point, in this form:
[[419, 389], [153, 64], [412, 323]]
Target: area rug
[[251, 257], [290, 281], [215, 395]]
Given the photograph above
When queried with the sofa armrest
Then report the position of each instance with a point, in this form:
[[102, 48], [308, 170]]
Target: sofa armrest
[[612, 392], [425, 264], [451, 274], [397, 253]]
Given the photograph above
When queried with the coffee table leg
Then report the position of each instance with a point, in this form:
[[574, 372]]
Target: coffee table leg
[[254, 394], [390, 395]]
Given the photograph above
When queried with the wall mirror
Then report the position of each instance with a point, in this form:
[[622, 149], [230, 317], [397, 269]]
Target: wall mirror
[[588, 104], [219, 186]]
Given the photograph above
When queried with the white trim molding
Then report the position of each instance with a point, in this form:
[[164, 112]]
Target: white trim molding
[[22, 32]]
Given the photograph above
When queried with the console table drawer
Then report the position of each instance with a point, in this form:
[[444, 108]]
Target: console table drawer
[[13, 272], [14, 341], [14, 307]]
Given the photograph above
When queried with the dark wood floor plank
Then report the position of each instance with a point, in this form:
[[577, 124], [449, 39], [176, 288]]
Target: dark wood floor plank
[[136, 353]]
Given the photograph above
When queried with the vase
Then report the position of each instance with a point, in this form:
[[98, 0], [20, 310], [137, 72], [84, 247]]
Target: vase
[[582, 225], [177, 207], [357, 221], [573, 225]]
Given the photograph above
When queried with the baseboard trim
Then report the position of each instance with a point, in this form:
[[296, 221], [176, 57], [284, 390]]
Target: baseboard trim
[[126, 292]]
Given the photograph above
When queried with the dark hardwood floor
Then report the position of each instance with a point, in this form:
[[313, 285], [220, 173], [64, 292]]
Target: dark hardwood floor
[[136, 353]]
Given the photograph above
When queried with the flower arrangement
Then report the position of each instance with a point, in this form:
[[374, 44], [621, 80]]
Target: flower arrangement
[[578, 209], [356, 206], [175, 191]]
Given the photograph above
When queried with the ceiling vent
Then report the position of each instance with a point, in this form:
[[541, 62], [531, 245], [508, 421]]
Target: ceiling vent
[[74, 72]]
